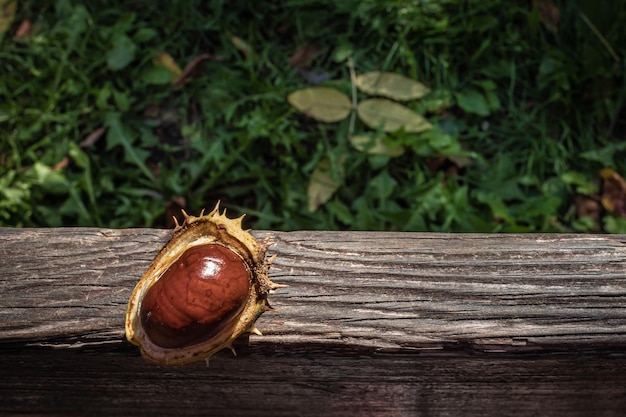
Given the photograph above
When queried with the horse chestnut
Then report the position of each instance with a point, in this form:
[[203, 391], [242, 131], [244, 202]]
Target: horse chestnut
[[207, 286]]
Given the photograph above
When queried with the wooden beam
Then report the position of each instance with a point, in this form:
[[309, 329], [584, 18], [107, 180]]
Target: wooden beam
[[371, 324], [407, 292], [310, 381]]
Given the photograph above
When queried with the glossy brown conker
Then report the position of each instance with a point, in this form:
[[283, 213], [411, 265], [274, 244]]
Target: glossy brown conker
[[203, 289]]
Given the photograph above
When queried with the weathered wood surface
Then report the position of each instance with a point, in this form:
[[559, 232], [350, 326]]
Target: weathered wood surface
[[371, 324], [387, 291]]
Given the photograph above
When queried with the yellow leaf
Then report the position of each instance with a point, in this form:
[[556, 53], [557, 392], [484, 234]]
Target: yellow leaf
[[321, 103], [7, 14], [322, 185], [613, 192], [167, 61], [388, 84], [243, 46], [375, 146], [377, 112]]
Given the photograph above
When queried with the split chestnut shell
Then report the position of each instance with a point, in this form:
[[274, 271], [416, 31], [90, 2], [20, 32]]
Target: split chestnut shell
[[205, 287]]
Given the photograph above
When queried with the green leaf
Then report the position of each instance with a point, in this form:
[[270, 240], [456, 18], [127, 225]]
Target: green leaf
[[158, 75], [581, 181], [383, 185], [498, 208], [391, 116], [340, 210], [144, 35], [102, 97], [343, 50], [122, 53], [492, 100], [53, 182], [321, 103], [14, 193], [473, 101], [605, 154], [436, 101], [584, 224], [81, 159], [389, 84], [322, 185], [116, 135], [439, 139], [614, 224], [375, 146], [121, 100]]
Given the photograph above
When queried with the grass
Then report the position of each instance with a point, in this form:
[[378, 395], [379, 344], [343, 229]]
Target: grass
[[526, 113]]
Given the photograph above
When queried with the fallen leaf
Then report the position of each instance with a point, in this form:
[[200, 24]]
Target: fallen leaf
[[152, 111], [63, 163], [93, 137], [613, 192], [460, 161], [191, 68], [375, 146], [322, 185], [548, 14], [7, 15], [321, 103], [473, 101], [23, 31], [449, 165], [167, 61], [122, 52], [391, 116], [302, 58], [588, 206], [389, 84], [243, 46]]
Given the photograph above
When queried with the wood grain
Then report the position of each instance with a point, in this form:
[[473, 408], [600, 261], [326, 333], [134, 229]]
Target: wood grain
[[384, 291], [371, 324]]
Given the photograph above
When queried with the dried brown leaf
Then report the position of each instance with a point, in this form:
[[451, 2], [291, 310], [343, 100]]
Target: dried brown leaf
[[23, 31], [322, 185], [7, 15], [613, 192], [548, 14], [93, 137], [166, 60], [63, 163], [588, 206], [302, 58], [191, 69]]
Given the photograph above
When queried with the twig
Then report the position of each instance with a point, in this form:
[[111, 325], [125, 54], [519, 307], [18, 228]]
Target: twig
[[354, 102], [595, 30]]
